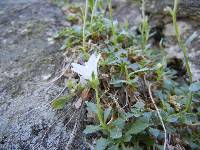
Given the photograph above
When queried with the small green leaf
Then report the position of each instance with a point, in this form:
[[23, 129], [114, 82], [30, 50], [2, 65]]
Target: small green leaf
[[139, 105], [137, 127], [154, 132], [91, 4], [168, 84], [191, 38], [136, 112], [91, 107], [118, 82], [138, 108], [114, 147], [194, 87], [120, 123], [128, 116], [161, 95], [189, 118], [125, 115], [127, 138], [172, 118], [140, 71], [102, 143], [107, 113], [91, 129], [116, 133], [147, 116], [59, 103]]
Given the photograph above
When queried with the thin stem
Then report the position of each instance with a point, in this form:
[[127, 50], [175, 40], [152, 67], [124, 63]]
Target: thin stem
[[143, 8], [112, 21], [126, 72], [84, 26], [99, 110], [180, 42], [94, 10], [158, 112], [144, 28], [183, 47]]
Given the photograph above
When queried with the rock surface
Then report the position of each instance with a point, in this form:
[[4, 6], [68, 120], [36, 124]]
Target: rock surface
[[28, 60], [190, 33]]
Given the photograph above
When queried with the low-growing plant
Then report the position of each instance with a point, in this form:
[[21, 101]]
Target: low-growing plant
[[136, 98], [183, 47]]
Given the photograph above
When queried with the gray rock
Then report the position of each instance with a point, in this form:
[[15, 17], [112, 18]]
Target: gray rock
[[27, 62]]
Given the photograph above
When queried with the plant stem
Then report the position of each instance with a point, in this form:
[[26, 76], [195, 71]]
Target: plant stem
[[84, 26], [99, 110], [144, 28], [126, 72], [112, 21], [183, 47], [93, 10], [180, 42]]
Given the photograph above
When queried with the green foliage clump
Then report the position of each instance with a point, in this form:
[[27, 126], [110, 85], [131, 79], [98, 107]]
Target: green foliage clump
[[139, 101]]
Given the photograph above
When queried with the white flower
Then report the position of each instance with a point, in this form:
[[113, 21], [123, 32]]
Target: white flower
[[86, 70]]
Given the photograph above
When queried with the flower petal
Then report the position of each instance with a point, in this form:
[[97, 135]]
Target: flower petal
[[81, 70], [83, 81], [92, 63], [87, 70]]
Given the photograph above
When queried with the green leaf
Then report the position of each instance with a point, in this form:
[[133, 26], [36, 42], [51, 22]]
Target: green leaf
[[91, 107], [189, 118], [120, 123], [137, 127], [118, 82], [128, 115], [91, 4], [59, 103], [114, 147], [160, 95], [147, 116], [141, 70], [138, 108], [91, 129], [134, 66], [102, 143], [154, 132], [172, 118], [127, 138], [125, 115], [168, 84], [194, 87], [139, 105], [107, 113], [116, 133], [137, 113], [191, 38]]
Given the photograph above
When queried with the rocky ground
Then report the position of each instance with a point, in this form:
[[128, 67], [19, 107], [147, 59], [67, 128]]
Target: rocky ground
[[28, 62], [29, 59]]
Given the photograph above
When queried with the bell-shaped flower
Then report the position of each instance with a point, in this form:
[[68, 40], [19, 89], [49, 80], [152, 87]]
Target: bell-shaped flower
[[90, 67]]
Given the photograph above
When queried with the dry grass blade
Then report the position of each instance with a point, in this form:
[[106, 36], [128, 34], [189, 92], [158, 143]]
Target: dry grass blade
[[75, 128], [158, 112]]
